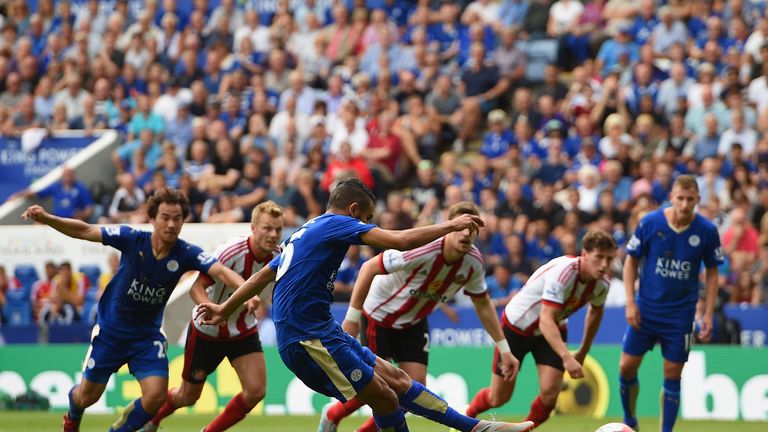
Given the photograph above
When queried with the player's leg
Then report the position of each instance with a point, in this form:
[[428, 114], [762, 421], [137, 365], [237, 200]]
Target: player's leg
[[102, 359], [675, 346], [417, 371], [380, 341], [636, 344], [252, 372], [500, 390], [550, 382], [416, 398], [201, 357], [154, 391]]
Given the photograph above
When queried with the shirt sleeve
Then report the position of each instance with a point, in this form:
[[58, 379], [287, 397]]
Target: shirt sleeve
[[637, 245], [345, 229], [275, 263], [600, 293], [391, 260], [200, 260], [476, 286], [713, 253], [555, 286], [120, 237]]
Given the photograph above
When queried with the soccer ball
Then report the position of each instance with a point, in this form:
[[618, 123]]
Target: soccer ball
[[615, 427]]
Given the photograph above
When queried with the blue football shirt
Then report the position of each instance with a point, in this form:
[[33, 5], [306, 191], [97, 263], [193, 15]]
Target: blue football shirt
[[670, 266], [306, 270], [133, 301]]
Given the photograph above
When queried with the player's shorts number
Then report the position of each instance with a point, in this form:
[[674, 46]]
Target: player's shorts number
[[426, 342], [162, 348]]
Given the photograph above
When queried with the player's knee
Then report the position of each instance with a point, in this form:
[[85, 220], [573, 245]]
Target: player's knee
[[86, 398], [548, 397], [400, 382], [379, 396], [185, 399], [252, 396], [627, 368], [153, 401]]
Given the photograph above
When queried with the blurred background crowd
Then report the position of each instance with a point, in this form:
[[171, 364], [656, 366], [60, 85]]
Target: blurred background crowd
[[552, 116]]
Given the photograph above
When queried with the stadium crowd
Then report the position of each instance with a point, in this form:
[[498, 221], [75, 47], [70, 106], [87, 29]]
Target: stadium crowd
[[428, 102]]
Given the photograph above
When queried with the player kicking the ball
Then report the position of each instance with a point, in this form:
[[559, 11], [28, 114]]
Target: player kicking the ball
[[534, 322], [400, 289], [313, 345], [237, 339]]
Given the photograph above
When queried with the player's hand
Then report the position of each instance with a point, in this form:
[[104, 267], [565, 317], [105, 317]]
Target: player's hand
[[706, 328], [209, 314], [462, 222], [351, 327], [510, 365], [573, 367], [252, 305], [633, 315], [35, 213]]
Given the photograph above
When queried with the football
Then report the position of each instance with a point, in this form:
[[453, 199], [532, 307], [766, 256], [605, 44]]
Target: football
[[615, 427]]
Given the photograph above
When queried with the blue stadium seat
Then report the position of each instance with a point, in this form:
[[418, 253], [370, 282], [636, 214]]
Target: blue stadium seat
[[90, 305], [27, 274], [93, 272], [18, 312]]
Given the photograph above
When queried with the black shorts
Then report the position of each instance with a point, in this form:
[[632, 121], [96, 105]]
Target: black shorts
[[203, 355], [406, 345], [536, 345]]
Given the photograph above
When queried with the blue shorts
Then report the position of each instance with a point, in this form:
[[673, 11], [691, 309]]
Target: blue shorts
[[335, 365], [145, 356], [675, 343]]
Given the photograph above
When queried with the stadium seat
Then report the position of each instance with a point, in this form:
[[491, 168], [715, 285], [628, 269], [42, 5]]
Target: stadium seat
[[90, 306], [18, 312], [93, 272], [27, 275], [540, 53]]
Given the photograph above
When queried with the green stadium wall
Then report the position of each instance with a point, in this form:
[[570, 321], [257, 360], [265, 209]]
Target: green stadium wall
[[725, 383]]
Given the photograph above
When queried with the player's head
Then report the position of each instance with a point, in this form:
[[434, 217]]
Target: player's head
[[461, 240], [597, 251], [684, 196], [266, 226], [167, 209], [351, 197]]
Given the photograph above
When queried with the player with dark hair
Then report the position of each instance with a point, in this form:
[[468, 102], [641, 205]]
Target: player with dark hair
[[237, 339], [313, 345], [535, 320], [396, 291], [130, 310], [668, 247]]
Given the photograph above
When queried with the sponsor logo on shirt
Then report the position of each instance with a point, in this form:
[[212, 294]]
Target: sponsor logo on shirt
[[142, 293], [671, 268], [204, 258], [112, 231]]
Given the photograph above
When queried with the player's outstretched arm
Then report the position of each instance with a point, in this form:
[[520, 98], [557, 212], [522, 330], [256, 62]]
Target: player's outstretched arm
[[69, 227], [487, 315], [592, 322], [551, 332], [368, 271], [415, 237], [209, 313]]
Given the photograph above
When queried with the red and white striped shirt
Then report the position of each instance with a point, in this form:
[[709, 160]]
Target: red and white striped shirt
[[416, 280], [237, 255], [555, 284]]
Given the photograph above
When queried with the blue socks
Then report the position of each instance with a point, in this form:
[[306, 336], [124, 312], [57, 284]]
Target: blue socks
[[670, 404], [75, 412], [394, 422], [629, 389], [420, 401], [132, 419]]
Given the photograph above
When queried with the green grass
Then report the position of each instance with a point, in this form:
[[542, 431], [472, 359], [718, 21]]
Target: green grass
[[34, 421]]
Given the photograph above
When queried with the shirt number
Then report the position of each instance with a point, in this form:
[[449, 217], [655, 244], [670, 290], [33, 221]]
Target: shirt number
[[162, 347]]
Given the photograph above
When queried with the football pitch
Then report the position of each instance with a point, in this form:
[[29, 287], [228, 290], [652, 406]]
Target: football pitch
[[35, 421]]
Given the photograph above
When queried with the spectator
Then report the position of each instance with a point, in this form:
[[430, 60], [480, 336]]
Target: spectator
[[745, 290], [127, 205], [68, 290], [347, 274], [501, 285], [71, 198], [740, 239], [7, 283]]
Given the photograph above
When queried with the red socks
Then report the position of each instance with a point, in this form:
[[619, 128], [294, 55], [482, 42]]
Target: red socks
[[539, 412], [338, 411], [368, 426], [167, 409], [235, 411], [480, 403]]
